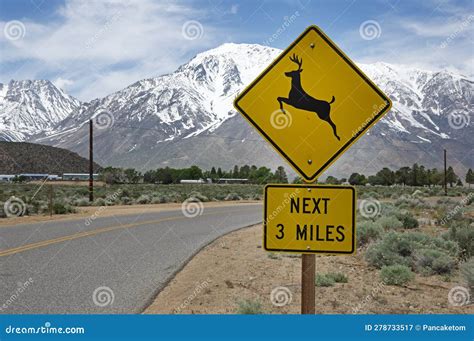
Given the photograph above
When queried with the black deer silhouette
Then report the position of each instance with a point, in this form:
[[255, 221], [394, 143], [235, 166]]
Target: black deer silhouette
[[299, 99]]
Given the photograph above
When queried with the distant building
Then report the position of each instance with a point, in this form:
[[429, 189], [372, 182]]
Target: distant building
[[200, 181], [33, 176], [232, 181], [79, 176], [6, 177]]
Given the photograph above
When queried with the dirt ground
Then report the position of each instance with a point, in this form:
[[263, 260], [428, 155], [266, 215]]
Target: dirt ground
[[235, 267], [84, 212]]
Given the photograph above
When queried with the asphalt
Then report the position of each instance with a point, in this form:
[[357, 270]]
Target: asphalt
[[110, 264]]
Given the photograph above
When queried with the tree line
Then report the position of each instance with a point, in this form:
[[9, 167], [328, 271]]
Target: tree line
[[417, 175], [168, 175]]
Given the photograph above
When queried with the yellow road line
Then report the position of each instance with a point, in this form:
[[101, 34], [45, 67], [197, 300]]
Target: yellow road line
[[36, 245]]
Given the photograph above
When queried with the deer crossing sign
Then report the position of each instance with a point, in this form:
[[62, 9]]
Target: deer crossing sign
[[309, 219], [312, 103]]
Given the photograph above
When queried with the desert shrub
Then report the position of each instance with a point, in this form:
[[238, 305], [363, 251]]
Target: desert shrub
[[396, 274], [232, 196], [463, 234], [100, 202], [446, 201], [408, 220], [434, 261], [389, 222], [143, 199], [401, 248], [369, 195], [198, 196], [338, 277], [323, 280], [60, 208], [81, 202], [125, 201], [249, 307], [161, 199], [467, 270], [368, 231]]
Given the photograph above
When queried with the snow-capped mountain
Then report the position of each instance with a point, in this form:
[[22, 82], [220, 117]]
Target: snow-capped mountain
[[186, 117], [32, 107]]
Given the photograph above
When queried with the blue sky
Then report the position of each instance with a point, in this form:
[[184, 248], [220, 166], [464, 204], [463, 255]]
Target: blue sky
[[92, 48]]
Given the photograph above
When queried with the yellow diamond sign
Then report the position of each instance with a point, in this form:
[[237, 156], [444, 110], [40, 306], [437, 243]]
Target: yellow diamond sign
[[312, 103]]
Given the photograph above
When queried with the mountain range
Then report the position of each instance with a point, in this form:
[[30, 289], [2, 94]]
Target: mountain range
[[186, 117]]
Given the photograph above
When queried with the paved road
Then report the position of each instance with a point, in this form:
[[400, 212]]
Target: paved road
[[55, 267]]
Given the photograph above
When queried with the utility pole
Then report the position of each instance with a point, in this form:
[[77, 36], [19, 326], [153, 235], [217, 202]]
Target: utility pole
[[91, 162], [445, 176]]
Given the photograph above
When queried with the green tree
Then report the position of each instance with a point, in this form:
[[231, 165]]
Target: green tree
[[414, 180], [469, 177], [357, 179], [219, 172], [213, 173], [451, 177], [280, 175], [132, 175], [402, 176], [244, 171], [332, 180], [235, 172], [385, 177]]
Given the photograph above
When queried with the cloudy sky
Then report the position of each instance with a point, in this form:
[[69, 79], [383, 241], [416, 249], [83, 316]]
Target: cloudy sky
[[93, 48]]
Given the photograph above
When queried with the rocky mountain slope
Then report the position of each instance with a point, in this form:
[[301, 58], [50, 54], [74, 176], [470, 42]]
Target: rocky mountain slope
[[30, 107], [23, 157]]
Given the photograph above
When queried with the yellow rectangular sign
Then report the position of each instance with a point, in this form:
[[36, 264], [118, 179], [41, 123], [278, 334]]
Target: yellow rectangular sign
[[309, 219]]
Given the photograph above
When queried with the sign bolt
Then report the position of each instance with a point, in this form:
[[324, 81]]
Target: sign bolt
[[311, 45], [310, 161], [307, 248]]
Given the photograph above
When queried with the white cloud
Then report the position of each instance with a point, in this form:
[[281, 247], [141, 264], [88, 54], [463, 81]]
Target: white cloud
[[433, 42], [62, 83], [103, 46]]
